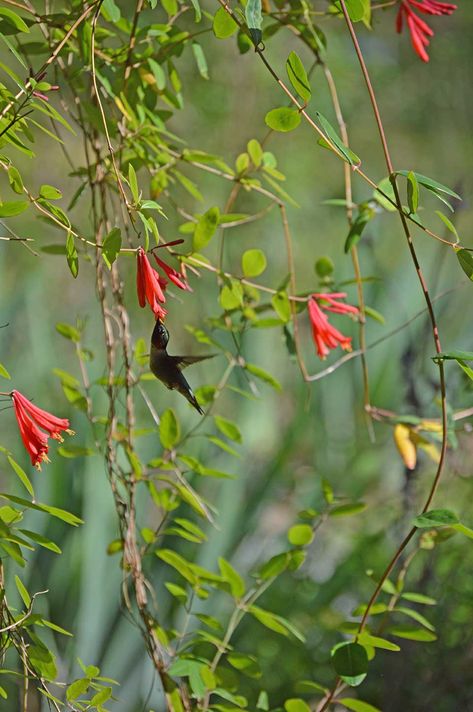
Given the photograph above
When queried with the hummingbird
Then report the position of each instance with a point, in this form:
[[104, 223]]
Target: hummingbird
[[168, 369]]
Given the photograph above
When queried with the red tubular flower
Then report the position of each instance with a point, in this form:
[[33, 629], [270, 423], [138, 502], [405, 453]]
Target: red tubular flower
[[420, 30], [29, 417], [149, 285], [177, 278], [325, 335]]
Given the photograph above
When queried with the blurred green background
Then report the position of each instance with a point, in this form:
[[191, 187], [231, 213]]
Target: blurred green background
[[294, 438]]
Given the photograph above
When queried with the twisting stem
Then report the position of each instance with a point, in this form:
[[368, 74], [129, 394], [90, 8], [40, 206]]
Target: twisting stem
[[329, 697]]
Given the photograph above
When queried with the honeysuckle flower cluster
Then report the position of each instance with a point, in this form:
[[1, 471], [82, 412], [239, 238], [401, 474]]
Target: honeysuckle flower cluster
[[151, 286], [325, 335], [419, 30], [36, 427]]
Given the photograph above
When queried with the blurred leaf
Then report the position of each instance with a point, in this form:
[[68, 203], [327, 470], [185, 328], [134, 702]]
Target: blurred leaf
[[350, 661], [50, 192], [223, 24], [253, 262], [25, 596], [205, 228], [15, 207], [300, 535], [346, 153], [357, 705], [23, 477], [295, 704], [229, 574], [298, 76], [436, 518], [228, 428], [111, 246], [169, 429], [283, 119]]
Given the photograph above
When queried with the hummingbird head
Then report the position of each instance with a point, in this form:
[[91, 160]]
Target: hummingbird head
[[160, 336]]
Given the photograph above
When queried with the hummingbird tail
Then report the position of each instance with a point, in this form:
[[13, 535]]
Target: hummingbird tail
[[193, 401]]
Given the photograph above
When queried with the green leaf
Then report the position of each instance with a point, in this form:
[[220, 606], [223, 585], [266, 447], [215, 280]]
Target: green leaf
[[13, 207], [357, 228], [71, 255], [25, 596], [466, 531], [418, 598], [358, 9], [228, 428], [13, 19], [263, 375], [453, 356], [254, 20], [411, 633], [111, 10], [41, 540], [431, 184], [253, 262], [282, 306], [197, 10], [283, 119], [296, 704], [350, 661], [49, 192], [229, 574], [298, 76], [344, 510], [376, 642], [205, 228], [200, 60], [231, 296], [448, 224], [255, 152], [274, 622], [300, 534], [66, 516], [68, 331], [111, 246], [133, 182], [436, 518], [412, 192], [169, 429], [158, 73], [415, 615], [346, 153], [15, 180], [357, 705], [324, 267], [465, 259], [101, 697], [77, 688], [3, 372], [23, 477], [223, 24], [373, 314], [72, 451]]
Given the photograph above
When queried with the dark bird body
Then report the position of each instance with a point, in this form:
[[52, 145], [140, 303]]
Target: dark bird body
[[168, 369]]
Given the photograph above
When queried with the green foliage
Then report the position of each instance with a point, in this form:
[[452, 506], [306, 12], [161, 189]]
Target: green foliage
[[211, 529]]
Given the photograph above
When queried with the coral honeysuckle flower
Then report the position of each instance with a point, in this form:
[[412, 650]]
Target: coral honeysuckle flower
[[149, 285], [30, 419], [420, 30], [326, 336], [177, 278]]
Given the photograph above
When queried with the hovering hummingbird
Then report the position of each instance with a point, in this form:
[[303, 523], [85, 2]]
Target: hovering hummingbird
[[168, 369]]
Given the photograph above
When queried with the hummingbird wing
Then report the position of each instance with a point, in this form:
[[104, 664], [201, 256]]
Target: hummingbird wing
[[183, 361]]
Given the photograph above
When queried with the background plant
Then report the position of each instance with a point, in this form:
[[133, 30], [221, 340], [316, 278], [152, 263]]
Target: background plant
[[192, 589]]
